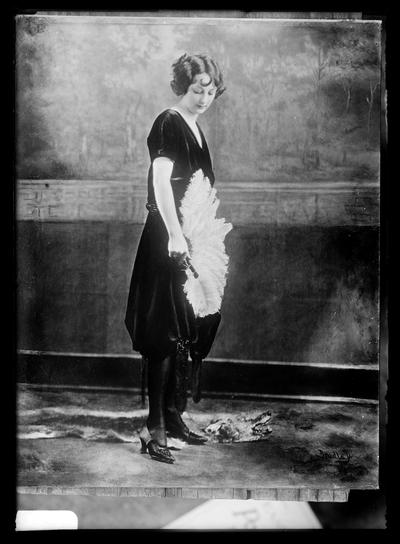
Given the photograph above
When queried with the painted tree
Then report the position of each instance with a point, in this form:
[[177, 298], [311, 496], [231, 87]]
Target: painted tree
[[370, 101], [370, 45], [354, 63]]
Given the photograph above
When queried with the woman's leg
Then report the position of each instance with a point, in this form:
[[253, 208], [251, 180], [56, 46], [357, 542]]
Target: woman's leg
[[171, 411], [159, 371], [173, 419]]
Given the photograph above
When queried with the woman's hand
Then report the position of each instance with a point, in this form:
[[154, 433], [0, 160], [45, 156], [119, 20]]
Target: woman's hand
[[178, 248]]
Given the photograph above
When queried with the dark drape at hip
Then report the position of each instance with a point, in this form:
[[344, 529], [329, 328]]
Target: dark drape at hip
[[158, 314]]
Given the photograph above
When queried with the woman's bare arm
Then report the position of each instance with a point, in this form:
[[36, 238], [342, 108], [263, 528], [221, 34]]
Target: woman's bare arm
[[162, 170]]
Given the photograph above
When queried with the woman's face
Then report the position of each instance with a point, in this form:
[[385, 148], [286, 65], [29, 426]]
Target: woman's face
[[200, 94]]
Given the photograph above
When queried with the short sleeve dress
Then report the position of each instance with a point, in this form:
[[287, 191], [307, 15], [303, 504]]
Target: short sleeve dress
[[159, 316]]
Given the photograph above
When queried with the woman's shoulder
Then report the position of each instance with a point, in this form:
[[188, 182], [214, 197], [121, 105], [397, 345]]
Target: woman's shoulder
[[166, 120], [165, 125], [167, 115]]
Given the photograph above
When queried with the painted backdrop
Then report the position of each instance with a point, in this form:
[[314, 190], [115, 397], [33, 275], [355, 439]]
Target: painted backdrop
[[295, 147], [302, 100]]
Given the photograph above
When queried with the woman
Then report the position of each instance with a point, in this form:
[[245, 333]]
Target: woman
[[179, 272]]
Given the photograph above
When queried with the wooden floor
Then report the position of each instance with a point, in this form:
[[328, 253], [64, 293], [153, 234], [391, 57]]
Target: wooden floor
[[87, 443]]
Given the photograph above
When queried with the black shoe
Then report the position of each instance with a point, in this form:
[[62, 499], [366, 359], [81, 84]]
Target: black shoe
[[189, 437], [176, 428], [155, 450]]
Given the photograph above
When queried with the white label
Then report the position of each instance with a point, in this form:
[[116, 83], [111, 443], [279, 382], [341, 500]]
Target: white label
[[45, 520]]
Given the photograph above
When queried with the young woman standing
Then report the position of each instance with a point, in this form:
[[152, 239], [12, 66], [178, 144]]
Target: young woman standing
[[179, 274]]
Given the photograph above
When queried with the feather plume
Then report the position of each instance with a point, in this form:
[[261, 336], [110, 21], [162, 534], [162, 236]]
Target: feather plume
[[205, 234]]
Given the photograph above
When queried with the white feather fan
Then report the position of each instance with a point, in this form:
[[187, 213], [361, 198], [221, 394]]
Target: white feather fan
[[205, 235]]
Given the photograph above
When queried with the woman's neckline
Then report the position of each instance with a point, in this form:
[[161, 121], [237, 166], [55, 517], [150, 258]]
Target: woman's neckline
[[191, 130]]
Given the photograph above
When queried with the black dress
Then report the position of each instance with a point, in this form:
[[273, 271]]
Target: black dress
[[159, 317]]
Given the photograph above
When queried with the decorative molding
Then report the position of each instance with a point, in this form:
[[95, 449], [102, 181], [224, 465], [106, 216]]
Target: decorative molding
[[213, 360], [221, 378], [276, 494], [205, 394], [242, 203], [260, 493]]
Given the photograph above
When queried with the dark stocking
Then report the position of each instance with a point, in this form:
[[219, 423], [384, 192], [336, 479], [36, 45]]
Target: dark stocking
[[173, 414], [158, 373], [174, 403], [197, 364]]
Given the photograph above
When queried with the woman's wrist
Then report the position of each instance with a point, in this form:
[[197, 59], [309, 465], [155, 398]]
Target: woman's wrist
[[175, 234]]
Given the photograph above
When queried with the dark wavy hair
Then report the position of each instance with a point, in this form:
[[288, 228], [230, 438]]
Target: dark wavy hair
[[187, 67]]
